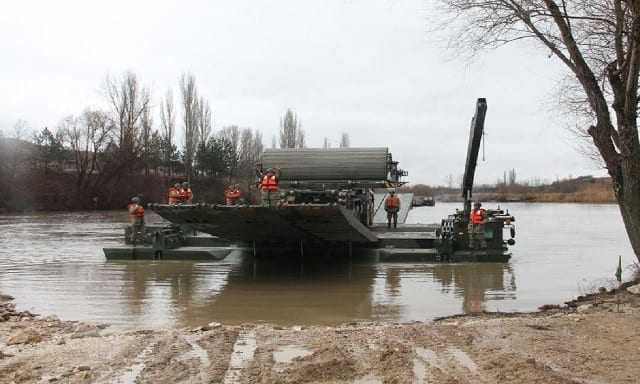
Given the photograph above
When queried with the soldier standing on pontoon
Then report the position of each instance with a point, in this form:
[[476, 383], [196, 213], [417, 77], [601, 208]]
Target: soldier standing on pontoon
[[269, 187], [477, 218]]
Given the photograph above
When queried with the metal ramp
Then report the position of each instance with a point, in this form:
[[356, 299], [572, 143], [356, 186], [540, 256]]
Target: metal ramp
[[293, 223], [380, 215]]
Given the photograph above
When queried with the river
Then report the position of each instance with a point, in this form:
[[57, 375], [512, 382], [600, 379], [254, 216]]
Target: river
[[52, 263]]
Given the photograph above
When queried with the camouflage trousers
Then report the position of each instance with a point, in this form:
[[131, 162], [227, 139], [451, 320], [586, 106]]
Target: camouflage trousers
[[476, 236], [137, 231], [268, 198], [392, 216]]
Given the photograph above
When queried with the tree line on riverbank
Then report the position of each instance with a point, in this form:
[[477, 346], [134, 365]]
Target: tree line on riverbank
[[584, 189], [101, 157]]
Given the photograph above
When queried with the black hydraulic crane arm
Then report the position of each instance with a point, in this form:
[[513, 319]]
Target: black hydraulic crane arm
[[475, 137]]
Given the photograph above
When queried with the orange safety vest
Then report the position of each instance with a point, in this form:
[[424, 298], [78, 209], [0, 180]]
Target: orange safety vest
[[392, 202], [185, 195], [269, 183], [136, 210], [477, 216], [174, 195], [231, 195]]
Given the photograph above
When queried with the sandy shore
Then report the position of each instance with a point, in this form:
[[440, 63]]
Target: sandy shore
[[590, 340]]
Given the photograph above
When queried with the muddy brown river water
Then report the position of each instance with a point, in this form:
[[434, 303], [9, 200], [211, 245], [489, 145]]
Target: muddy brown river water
[[53, 264]]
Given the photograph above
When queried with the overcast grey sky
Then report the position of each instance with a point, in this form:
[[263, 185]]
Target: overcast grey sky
[[367, 67]]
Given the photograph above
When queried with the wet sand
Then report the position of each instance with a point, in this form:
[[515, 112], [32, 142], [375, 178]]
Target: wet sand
[[591, 340]]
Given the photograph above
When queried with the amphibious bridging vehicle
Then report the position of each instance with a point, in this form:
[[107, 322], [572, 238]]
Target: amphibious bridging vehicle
[[335, 197]]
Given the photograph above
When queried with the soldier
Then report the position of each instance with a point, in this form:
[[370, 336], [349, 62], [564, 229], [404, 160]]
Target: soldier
[[237, 194], [477, 218], [186, 195], [269, 186], [392, 206], [232, 194], [174, 194], [136, 218]]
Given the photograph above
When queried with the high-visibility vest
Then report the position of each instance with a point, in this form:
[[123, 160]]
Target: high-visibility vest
[[231, 195], [269, 183], [185, 194], [136, 210], [392, 202], [477, 216], [174, 195]]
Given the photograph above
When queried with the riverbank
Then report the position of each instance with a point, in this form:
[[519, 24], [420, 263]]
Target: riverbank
[[587, 195], [592, 339], [536, 197], [584, 189]]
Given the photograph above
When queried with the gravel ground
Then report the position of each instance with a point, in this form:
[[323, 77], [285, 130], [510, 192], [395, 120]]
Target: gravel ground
[[592, 339]]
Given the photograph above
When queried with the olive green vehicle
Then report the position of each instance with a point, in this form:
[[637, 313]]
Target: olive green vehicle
[[334, 199]]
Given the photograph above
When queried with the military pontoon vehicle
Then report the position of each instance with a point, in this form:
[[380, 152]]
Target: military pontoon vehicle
[[334, 198]]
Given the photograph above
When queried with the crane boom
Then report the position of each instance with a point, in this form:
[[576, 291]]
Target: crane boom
[[475, 136]]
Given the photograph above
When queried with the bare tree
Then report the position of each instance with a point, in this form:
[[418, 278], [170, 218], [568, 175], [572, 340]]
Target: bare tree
[[273, 142], [128, 101], [300, 139], [190, 120], [258, 145], [13, 153], [88, 136], [325, 144], [512, 177], [246, 154], [598, 41], [251, 148], [146, 133], [168, 123], [204, 120], [231, 137], [344, 140], [20, 132], [249, 151], [168, 116], [291, 132]]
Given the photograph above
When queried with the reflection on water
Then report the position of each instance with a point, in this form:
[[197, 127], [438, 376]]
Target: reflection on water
[[53, 264], [247, 290], [422, 292]]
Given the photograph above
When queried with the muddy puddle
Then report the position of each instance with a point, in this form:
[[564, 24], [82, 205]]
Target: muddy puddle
[[287, 353], [241, 356]]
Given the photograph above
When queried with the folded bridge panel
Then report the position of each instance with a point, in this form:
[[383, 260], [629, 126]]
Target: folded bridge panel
[[316, 222]]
